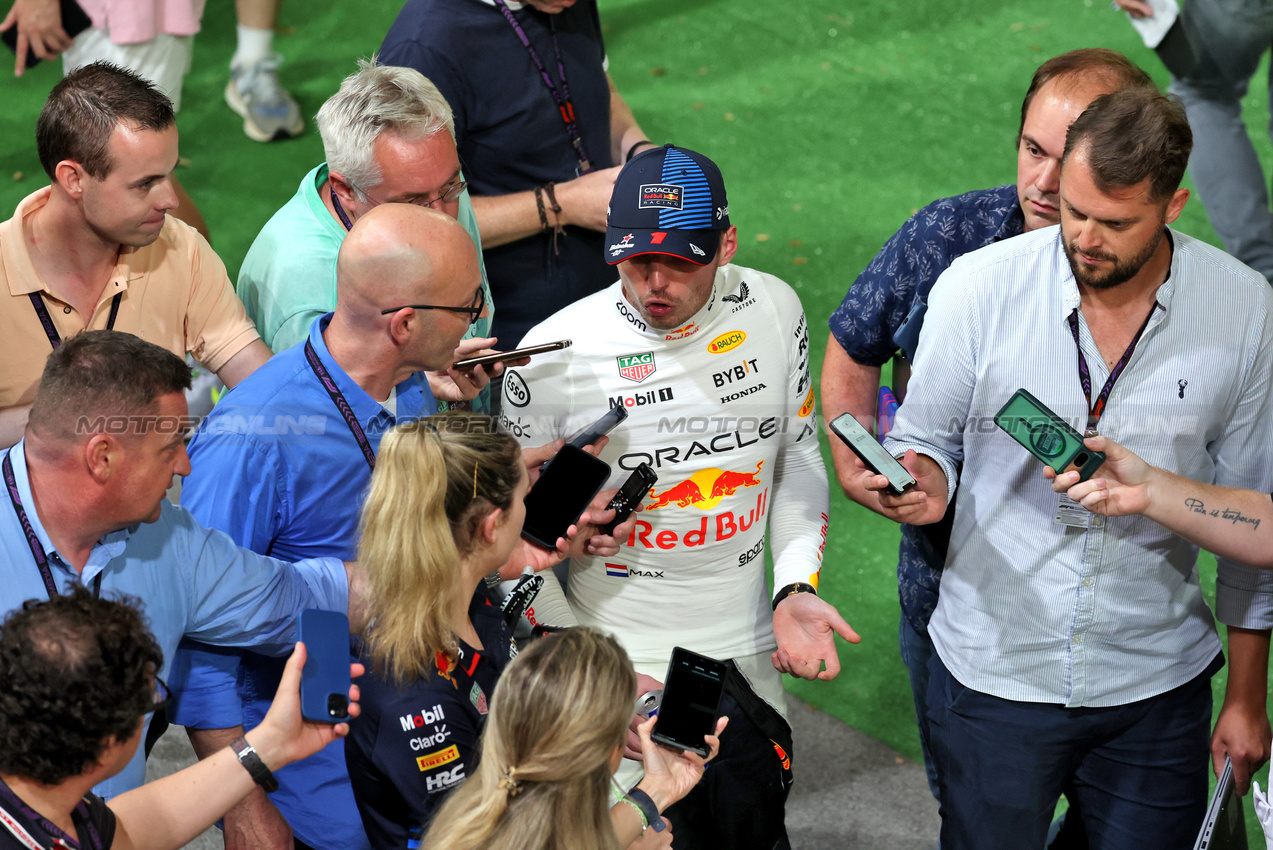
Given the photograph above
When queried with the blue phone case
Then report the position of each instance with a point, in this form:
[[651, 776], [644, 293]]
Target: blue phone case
[[325, 677]]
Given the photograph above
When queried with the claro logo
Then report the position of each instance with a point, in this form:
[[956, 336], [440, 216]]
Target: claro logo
[[726, 342]]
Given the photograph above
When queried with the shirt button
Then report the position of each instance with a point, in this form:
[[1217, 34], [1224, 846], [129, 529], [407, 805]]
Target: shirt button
[[1098, 522], [1078, 639], [66, 309], [1087, 582]]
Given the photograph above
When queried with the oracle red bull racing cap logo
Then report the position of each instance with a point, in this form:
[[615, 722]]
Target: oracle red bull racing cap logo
[[705, 488], [636, 367]]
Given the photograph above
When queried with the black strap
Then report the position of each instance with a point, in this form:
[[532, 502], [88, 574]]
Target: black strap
[[33, 540], [561, 96], [1094, 411], [338, 399], [55, 339]]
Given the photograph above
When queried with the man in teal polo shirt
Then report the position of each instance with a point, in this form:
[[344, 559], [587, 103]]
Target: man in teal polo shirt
[[389, 138]]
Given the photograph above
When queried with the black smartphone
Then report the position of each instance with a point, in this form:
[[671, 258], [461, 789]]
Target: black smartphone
[[566, 486], [325, 677], [871, 453], [74, 21], [630, 495], [589, 434], [517, 354], [1047, 436], [691, 701]]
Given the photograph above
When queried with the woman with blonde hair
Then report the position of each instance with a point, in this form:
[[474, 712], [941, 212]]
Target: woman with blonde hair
[[555, 735], [444, 510]]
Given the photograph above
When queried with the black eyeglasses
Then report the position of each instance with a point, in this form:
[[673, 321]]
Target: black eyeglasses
[[474, 310], [449, 193], [162, 696]]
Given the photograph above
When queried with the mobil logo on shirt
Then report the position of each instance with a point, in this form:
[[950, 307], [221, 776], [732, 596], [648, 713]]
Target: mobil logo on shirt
[[427, 717], [704, 490]]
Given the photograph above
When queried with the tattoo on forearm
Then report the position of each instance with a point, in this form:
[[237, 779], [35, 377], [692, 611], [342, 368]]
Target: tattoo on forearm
[[1233, 515]]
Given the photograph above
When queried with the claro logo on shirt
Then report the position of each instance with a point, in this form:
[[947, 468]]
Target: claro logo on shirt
[[727, 341], [438, 759]]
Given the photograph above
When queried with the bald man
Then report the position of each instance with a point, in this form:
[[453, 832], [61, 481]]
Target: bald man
[[283, 460]]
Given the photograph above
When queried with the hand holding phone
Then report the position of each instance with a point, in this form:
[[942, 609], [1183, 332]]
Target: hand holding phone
[[692, 692], [517, 354], [1047, 436], [871, 453], [605, 423], [566, 486], [325, 677]]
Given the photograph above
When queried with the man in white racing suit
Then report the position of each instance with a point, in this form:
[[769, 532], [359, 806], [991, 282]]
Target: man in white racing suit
[[711, 361]]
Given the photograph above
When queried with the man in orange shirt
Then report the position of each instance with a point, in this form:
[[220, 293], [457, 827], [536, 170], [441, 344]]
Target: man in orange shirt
[[97, 249]]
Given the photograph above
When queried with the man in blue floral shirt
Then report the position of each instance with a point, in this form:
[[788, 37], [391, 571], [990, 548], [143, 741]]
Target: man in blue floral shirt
[[883, 311]]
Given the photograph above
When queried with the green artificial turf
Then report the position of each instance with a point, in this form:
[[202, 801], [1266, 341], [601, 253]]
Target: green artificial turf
[[832, 123]]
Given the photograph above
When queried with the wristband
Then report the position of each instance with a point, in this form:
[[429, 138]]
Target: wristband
[[261, 774], [539, 204], [791, 590], [556, 208], [649, 811], [635, 145]]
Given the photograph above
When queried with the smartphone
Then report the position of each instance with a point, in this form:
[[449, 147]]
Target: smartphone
[[589, 434], [1047, 436], [74, 21], [691, 701], [325, 676], [1225, 824], [566, 486], [630, 495], [500, 356], [872, 454]]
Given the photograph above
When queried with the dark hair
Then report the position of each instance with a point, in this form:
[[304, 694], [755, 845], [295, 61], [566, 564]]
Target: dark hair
[[83, 110], [98, 374], [1094, 64], [77, 671], [1132, 136]]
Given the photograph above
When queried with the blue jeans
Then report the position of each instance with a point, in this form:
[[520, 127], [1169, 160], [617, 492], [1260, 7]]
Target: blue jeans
[[1136, 774], [916, 649]]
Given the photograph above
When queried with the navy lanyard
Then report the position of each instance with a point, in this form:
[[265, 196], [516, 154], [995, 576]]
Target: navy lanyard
[[33, 540], [340, 211], [1085, 375], [338, 398], [560, 96], [55, 339]]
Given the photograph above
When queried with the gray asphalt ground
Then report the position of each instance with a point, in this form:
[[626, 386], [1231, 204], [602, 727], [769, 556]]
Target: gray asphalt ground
[[851, 791]]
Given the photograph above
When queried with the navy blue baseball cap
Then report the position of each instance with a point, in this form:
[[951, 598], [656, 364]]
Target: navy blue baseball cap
[[667, 201]]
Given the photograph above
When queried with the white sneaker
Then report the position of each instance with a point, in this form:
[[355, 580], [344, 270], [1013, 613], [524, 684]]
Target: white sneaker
[[269, 113]]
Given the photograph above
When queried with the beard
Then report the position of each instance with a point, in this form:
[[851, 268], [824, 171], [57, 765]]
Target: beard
[[1123, 270]]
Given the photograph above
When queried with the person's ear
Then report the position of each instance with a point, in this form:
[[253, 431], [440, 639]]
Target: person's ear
[[728, 245], [490, 526], [71, 177], [103, 456], [1176, 205], [344, 192], [402, 325]]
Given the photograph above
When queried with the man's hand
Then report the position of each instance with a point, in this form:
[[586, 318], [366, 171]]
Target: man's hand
[[1242, 729], [592, 540], [585, 199], [805, 627], [39, 24], [1123, 487], [920, 505], [632, 746]]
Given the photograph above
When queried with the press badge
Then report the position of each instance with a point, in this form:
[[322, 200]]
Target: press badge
[[1071, 513]]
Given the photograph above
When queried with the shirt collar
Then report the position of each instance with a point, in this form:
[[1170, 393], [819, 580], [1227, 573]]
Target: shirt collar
[[109, 547], [366, 408]]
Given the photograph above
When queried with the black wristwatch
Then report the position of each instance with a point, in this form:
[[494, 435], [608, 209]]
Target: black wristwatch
[[792, 590], [261, 774]]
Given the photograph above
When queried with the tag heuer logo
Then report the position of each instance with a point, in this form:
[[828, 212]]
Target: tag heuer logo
[[636, 367]]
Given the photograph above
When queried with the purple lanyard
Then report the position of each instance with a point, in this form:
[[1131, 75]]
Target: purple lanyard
[[55, 339], [560, 96], [1094, 411], [338, 398], [33, 540]]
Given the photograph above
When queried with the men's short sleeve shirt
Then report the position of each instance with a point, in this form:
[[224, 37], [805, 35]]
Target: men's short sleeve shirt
[[192, 581], [175, 293], [895, 283], [288, 278], [277, 467], [1110, 611], [510, 133], [416, 741]]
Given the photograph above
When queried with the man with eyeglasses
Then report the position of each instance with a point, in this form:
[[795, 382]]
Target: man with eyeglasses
[[81, 679], [282, 462], [389, 138]]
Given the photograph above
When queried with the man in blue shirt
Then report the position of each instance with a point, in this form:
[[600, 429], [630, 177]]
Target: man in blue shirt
[[85, 505], [884, 310], [284, 459]]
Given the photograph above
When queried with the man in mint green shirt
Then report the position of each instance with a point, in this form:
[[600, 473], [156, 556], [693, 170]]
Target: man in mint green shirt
[[389, 138]]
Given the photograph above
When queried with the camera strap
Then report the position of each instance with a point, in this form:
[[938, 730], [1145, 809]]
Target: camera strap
[[33, 540], [342, 405], [1094, 411]]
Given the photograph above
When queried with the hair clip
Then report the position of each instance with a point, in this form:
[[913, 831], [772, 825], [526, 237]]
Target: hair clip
[[475, 479], [510, 784]]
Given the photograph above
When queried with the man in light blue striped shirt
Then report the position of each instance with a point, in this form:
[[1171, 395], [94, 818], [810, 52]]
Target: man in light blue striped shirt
[[1074, 652]]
